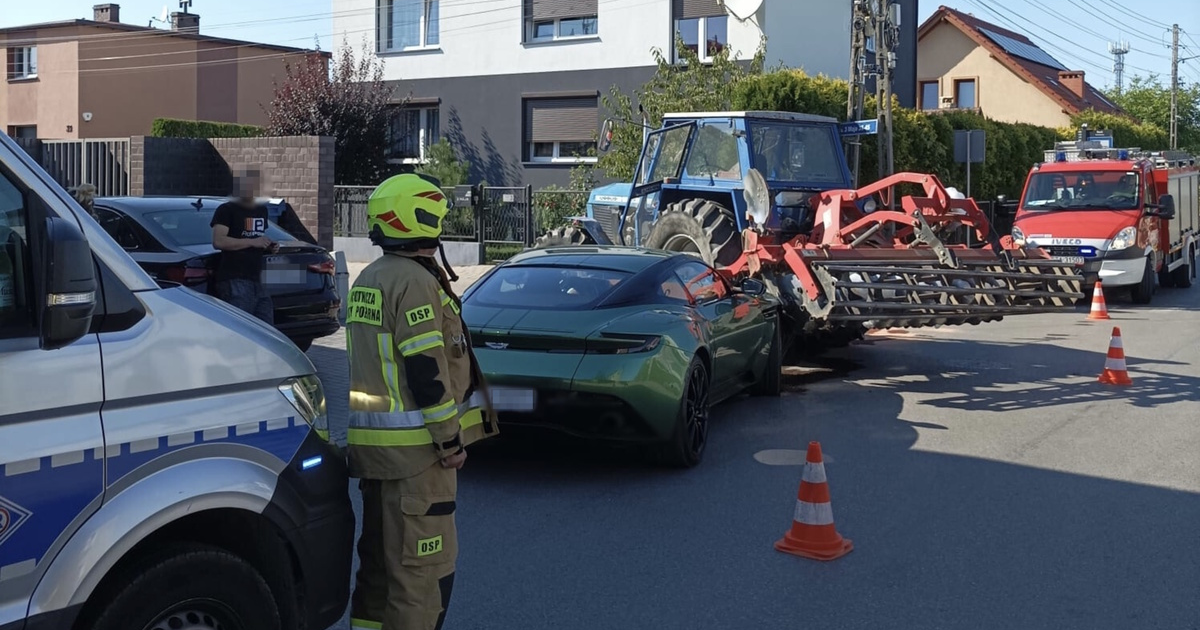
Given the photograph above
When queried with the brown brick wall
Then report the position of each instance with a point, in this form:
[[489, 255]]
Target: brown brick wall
[[301, 168]]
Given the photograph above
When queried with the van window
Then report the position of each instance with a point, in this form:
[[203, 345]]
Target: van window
[[16, 281]]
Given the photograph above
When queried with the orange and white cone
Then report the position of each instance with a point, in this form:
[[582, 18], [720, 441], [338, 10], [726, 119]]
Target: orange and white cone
[[813, 534], [1099, 307], [1115, 372]]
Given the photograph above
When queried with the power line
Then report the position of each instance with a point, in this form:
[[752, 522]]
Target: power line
[[1135, 16], [1117, 23], [985, 4]]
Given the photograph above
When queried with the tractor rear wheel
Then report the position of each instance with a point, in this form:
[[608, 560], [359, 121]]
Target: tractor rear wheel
[[559, 236], [700, 227]]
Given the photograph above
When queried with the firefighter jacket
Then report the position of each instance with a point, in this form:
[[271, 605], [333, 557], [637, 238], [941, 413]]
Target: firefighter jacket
[[416, 391]]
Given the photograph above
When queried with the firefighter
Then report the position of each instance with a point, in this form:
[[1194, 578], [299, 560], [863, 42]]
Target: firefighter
[[417, 400]]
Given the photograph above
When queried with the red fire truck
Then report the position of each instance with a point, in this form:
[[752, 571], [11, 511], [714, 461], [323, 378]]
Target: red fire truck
[[1127, 217]]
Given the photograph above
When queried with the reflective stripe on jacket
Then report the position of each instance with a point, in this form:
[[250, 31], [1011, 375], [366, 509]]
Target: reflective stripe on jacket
[[412, 398]]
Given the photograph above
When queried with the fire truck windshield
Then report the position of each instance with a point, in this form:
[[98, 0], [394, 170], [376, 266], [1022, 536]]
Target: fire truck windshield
[[1083, 190]]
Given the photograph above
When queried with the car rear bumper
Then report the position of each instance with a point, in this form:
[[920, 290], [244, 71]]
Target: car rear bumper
[[307, 317], [611, 397]]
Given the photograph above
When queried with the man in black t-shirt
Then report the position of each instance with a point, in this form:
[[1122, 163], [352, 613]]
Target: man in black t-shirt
[[239, 229]]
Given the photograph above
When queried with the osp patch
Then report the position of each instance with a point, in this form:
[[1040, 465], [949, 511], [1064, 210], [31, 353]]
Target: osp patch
[[12, 516]]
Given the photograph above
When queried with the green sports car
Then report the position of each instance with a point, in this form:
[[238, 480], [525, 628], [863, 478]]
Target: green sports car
[[621, 343]]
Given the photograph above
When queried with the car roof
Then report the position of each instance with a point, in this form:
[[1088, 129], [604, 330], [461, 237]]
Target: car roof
[[140, 205], [615, 257]]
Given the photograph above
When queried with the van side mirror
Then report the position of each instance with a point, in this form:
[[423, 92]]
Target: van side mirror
[[1165, 208], [606, 134], [67, 295]]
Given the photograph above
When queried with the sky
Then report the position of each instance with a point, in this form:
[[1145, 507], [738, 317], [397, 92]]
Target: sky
[[1076, 32]]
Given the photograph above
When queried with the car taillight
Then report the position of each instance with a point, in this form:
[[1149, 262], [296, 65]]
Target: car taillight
[[187, 274], [326, 267]]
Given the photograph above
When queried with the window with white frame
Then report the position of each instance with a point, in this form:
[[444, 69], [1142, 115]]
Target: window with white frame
[[703, 26], [561, 130], [407, 25], [411, 131], [704, 36], [552, 20], [22, 62]]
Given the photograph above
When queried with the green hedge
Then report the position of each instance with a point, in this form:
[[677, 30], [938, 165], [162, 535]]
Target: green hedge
[[176, 128], [1126, 132], [922, 142]]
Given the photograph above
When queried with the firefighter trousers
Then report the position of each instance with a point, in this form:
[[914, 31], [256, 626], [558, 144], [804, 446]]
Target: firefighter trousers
[[407, 552]]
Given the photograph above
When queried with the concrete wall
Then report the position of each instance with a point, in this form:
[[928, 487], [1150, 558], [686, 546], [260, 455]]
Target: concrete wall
[[946, 54], [300, 169], [361, 250]]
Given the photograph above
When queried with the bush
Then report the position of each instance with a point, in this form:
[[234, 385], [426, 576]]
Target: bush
[[176, 128], [922, 142]]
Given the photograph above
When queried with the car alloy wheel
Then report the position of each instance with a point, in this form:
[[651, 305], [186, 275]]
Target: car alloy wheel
[[696, 411]]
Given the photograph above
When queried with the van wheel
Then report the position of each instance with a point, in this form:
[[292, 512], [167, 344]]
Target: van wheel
[[1186, 273], [191, 587], [1143, 291]]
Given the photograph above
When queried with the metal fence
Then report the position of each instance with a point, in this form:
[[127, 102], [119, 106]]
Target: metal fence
[[350, 213], [103, 163]]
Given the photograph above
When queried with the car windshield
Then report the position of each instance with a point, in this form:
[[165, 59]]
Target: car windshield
[[521, 286], [1082, 190], [790, 152], [192, 227]]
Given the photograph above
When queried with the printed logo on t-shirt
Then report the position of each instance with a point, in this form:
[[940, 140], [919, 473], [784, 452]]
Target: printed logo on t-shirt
[[254, 227]]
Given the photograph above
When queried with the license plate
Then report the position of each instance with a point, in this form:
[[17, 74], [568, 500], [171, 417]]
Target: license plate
[[513, 399], [1070, 260], [285, 276]]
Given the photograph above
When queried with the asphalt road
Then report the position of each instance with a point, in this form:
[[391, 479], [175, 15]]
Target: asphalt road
[[986, 480]]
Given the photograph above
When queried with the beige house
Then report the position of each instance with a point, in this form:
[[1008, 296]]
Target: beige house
[[100, 78], [966, 63]]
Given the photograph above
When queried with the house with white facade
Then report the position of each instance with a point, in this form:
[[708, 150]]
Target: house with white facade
[[515, 85]]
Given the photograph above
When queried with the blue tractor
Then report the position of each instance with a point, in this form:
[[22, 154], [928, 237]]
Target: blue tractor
[[769, 195]]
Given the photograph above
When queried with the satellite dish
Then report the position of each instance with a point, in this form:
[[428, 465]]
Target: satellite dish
[[165, 15], [758, 197], [742, 9]]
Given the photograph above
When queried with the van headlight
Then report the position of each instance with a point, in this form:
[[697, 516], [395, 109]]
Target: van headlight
[[1018, 237], [307, 395], [1124, 239]]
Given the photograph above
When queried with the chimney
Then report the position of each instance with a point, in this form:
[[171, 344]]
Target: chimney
[[185, 22], [1072, 80], [108, 12]]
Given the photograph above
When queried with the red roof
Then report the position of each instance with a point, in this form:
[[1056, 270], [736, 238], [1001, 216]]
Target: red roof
[[1045, 77]]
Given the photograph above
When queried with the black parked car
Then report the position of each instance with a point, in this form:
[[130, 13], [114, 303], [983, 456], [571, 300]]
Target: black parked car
[[170, 237]]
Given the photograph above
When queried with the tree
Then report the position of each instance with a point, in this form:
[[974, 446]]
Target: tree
[[1148, 100], [694, 86], [443, 163], [348, 102]]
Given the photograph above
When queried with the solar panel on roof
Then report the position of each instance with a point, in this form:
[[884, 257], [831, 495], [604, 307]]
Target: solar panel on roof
[[1023, 50]]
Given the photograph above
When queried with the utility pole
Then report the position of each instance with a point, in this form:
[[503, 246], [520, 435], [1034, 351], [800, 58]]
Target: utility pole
[[876, 22], [1174, 84], [1119, 49]]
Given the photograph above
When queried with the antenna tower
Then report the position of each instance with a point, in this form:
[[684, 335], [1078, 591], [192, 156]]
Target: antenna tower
[[1118, 49]]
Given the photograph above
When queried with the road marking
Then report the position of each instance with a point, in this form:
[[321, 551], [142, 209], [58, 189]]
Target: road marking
[[786, 457]]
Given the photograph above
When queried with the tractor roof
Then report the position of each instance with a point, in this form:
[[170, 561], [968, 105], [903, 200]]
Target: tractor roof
[[789, 116]]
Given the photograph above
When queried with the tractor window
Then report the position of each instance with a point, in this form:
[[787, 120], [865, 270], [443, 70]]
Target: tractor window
[[806, 154], [714, 153], [663, 154]]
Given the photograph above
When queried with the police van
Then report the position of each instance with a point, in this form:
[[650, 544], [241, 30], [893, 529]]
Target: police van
[[164, 458]]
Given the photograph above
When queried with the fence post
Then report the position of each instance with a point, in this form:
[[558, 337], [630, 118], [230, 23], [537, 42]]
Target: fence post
[[477, 205], [529, 215]]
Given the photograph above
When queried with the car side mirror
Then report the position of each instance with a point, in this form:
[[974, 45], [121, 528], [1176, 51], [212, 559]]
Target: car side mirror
[[1165, 208], [753, 287], [67, 295], [606, 134]]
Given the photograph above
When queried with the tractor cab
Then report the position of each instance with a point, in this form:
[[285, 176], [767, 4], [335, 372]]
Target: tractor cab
[[702, 164]]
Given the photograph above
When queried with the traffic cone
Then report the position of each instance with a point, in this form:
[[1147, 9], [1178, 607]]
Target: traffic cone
[[1099, 307], [1114, 366], [813, 534]]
